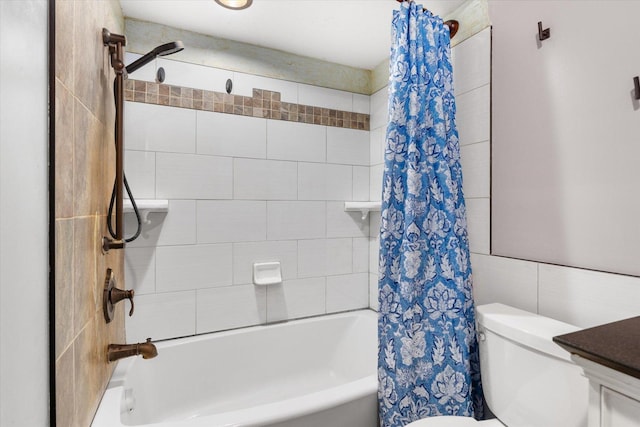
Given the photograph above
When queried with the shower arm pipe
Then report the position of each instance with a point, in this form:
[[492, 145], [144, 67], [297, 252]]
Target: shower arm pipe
[[451, 23], [116, 44]]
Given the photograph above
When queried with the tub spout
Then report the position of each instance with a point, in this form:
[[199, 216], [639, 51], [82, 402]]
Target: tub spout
[[120, 351]]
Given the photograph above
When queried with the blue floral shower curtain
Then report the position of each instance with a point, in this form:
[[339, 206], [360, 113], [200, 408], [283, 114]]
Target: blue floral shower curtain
[[428, 356]]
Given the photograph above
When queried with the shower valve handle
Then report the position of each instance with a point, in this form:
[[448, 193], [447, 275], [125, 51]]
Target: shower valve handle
[[112, 295], [117, 295]]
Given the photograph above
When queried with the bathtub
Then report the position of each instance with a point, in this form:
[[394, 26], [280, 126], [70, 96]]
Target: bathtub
[[317, 372]]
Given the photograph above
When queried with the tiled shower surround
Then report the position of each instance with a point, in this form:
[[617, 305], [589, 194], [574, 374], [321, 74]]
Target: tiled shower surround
[[84, 148], [248, 179]]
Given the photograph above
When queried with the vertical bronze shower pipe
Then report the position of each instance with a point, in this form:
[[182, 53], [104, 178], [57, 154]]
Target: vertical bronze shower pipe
[[119, 95], [116, 44]]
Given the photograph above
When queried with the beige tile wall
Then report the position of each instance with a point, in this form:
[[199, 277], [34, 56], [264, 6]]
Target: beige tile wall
[[84, 147]]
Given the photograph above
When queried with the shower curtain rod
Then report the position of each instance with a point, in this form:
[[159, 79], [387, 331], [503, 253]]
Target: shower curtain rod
[[452, 23]]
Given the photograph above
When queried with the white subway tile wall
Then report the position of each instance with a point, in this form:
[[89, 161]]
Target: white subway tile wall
[[231, 221], [229, 135], [347, 146], [264, 179], [473, 115], [181, 268], [472, 63], [478, 224], [230, 307], [377, 136], [325, 98], [175, 227], [162, 316], [373, 292], [378, 109], [321, 181], [143, 176], [375, 182], [159, 128], [586, 298], [178, 226], [190, 176], [361, 103], [243, 190], [296, 298], [347, 292], [360, 255], [345, 224], [296, 220], [508, 281], [299, 142], [476, 159], [312, 258], [472, 82], [361, 183], [140, 270]]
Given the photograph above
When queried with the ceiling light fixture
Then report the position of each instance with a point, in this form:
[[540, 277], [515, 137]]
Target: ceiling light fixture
[[235, 4]]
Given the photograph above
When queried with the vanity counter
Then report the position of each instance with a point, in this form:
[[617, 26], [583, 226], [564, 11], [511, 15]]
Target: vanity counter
[[615, 345]]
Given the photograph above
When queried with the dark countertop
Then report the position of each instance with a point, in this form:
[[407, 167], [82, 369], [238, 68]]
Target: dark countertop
[[615, 345]]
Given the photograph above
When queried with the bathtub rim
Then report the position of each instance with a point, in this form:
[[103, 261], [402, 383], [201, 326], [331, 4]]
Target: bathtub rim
[[120, 372]]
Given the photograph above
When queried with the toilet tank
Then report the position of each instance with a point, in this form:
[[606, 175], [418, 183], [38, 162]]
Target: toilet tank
[[528, 380]]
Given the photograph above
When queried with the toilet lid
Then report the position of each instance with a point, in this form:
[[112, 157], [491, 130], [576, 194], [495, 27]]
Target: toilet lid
[[448, 421]]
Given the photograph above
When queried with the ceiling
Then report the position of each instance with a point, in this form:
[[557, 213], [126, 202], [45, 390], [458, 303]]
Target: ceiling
[[348, 32]]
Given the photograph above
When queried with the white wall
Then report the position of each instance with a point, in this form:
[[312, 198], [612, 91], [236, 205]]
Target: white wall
[[581, 297], [24, 392], [240, 190], [565, 143]]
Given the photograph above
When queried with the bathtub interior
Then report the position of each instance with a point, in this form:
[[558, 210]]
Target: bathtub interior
[[237, 370]]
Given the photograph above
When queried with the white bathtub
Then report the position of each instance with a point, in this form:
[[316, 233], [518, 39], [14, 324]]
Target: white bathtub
[[318, 372]]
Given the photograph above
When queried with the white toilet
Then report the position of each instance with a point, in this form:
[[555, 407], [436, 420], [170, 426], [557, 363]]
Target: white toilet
[[528, 380]]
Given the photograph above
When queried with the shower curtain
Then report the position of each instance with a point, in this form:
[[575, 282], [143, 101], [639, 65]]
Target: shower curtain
[[428, 355]]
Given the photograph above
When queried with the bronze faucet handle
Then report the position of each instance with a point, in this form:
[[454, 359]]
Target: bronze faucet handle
[[120, 294], [112, 295]]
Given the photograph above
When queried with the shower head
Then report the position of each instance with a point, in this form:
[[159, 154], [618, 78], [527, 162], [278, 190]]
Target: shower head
[[169, 48], [162, 50]]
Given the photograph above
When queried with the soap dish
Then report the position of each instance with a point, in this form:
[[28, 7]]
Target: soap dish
[[267, 273]]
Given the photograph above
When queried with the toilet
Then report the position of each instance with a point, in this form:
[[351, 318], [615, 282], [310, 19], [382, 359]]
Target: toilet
[[528, 380]]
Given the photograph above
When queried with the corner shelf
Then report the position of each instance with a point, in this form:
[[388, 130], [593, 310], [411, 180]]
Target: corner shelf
[[363, 207], [146, 206]]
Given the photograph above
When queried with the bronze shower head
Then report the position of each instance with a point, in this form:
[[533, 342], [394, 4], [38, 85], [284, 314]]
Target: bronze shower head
[[162, 50]]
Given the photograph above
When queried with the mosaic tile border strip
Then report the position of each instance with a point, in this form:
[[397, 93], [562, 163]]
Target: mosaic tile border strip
[[263, 103]]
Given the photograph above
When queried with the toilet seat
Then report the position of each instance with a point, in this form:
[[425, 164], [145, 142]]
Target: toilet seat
[[451, 421]]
